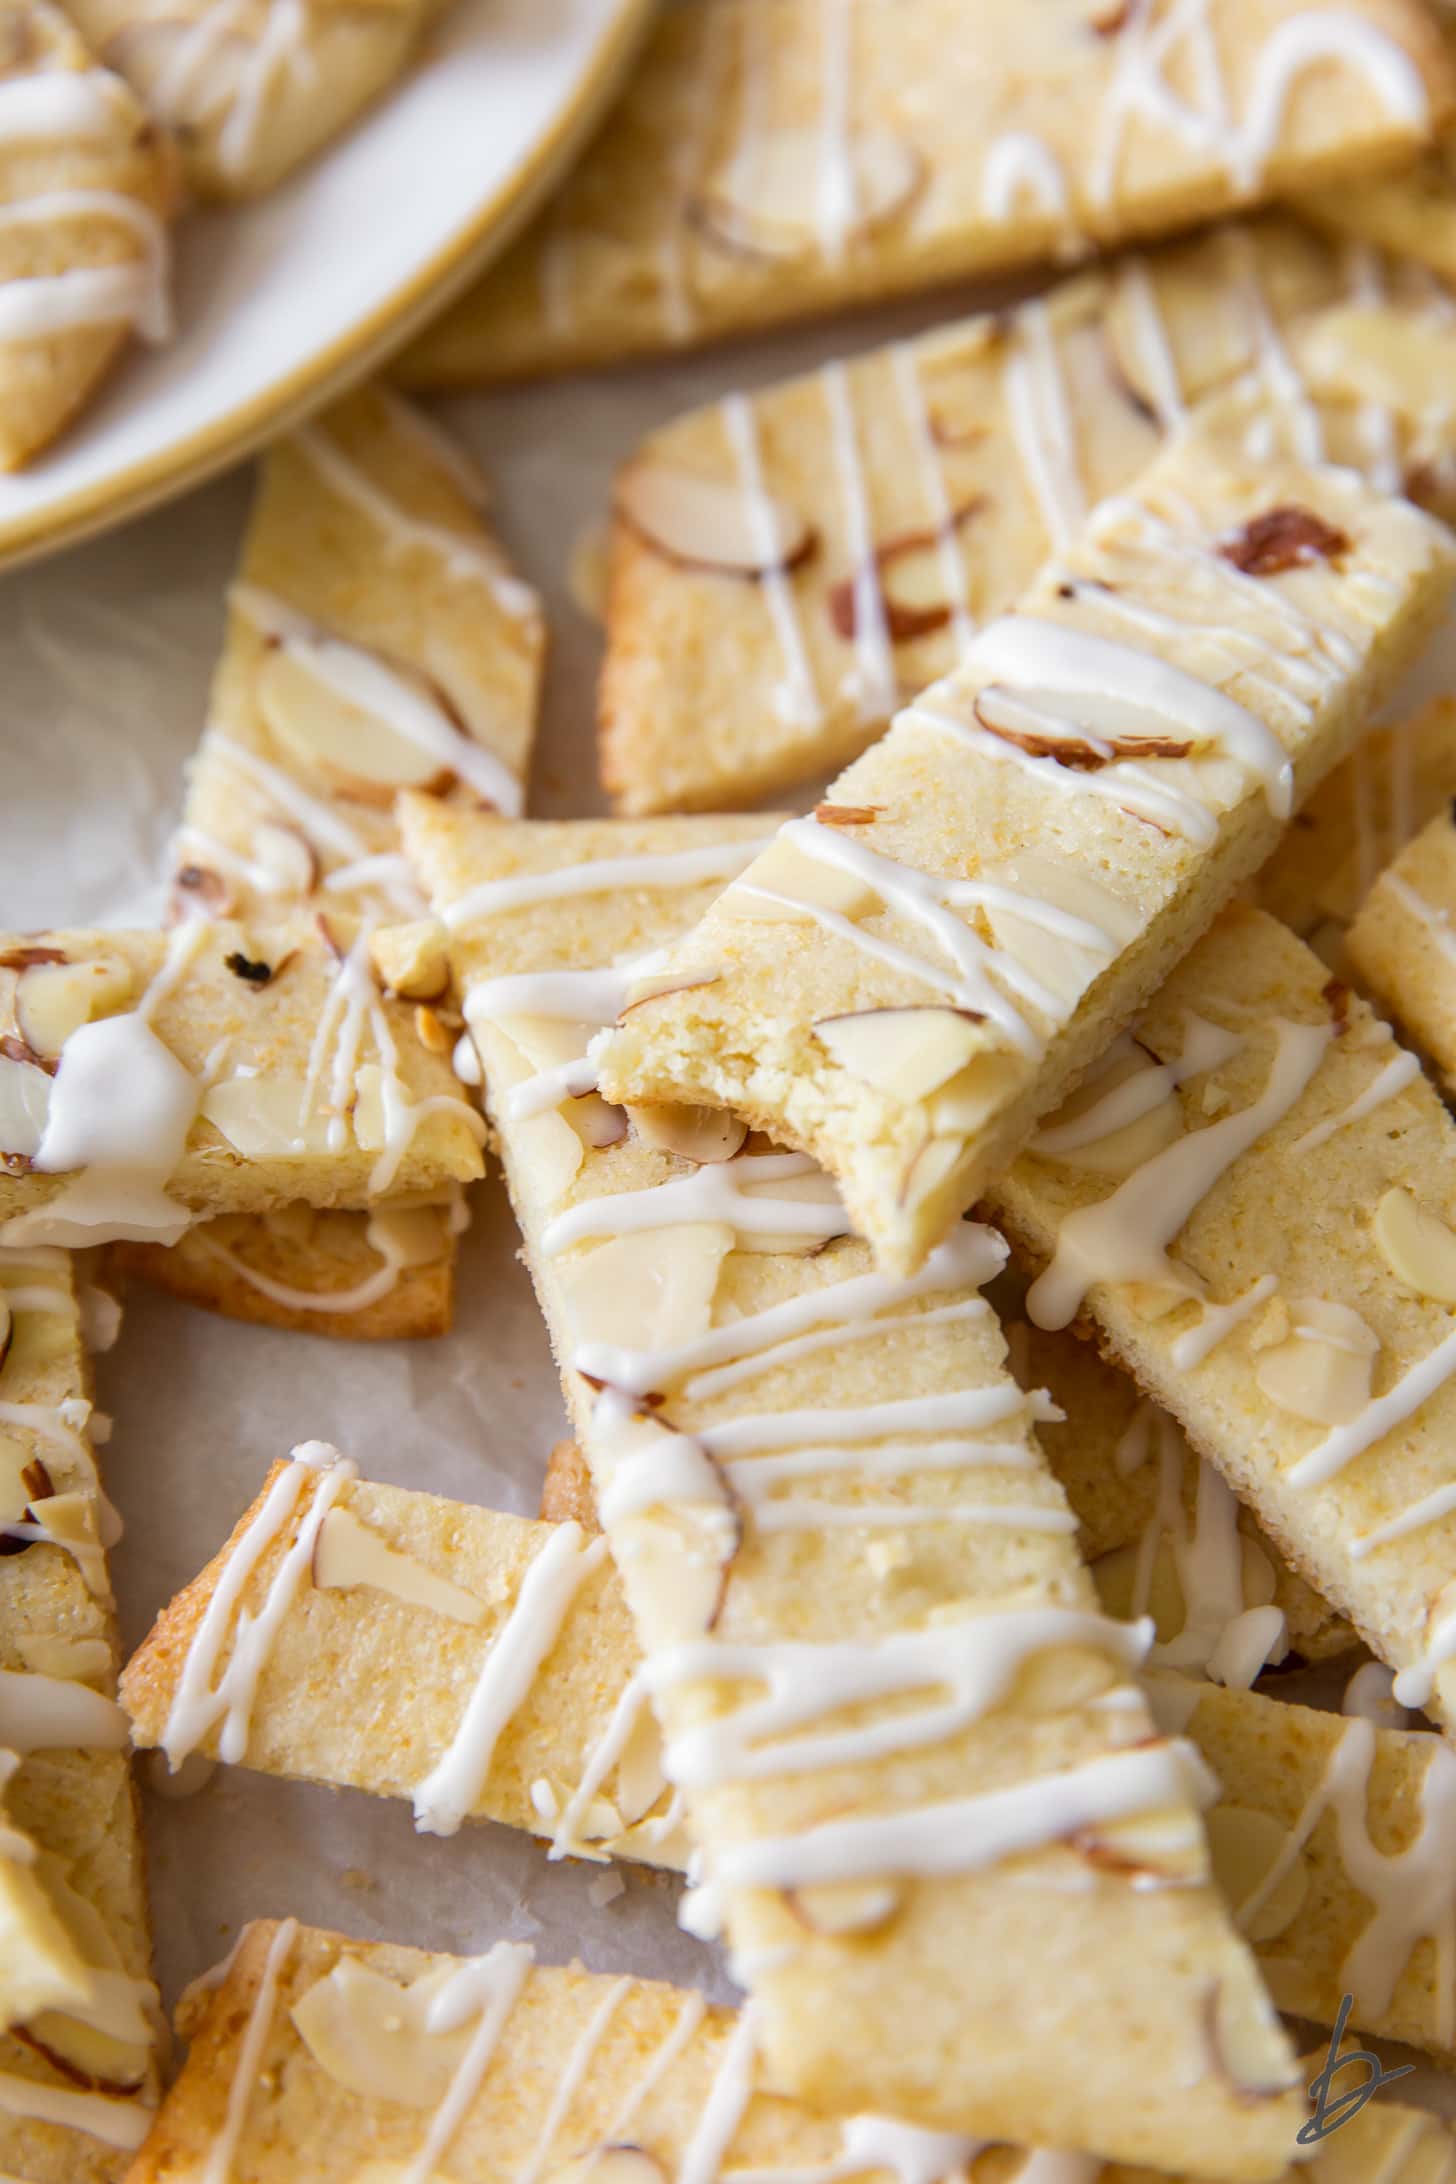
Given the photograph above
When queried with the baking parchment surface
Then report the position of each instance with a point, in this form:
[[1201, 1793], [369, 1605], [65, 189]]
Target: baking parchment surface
[[105, 658]]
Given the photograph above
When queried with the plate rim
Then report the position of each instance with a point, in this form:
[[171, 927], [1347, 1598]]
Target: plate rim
[[89, 510]]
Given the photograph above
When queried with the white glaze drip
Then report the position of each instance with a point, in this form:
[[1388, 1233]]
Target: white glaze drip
[[796, 699], [1019, 168], [1041, 424], [134, 291], [722, 1192], [603, 876], [218, 2167], [513, 1660], [573, 2075], [1125, 1236], [115, 2122], [1402, 1069], [1218, 1322], [203, 1697], [363, 679], [1381, 1416], [876, 684], [488, 1986], [911, 395], [961, 1670]]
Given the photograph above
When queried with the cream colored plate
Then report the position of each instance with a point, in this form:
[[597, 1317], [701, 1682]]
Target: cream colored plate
[[281, 303]]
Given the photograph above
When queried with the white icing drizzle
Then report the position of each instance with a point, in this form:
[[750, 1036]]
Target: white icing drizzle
[[354, 1003], [828, 1338], [723, 2110], [1380, 1416], [325, 828], [381, 1283], [1020, 166], [969, 1256], [362, 678], [512, 1662], [1412, 1892], [962, 1670], [837, 193], [203, 1697], [465, 557], [52, 1713], [905, 366], [1218, 1322], [56, 103], [968, 1834], [602, 876], [1437, 921], [910, 2154], [115, 2122], [1428, 1510], [1042, 427], [1138, 293], [1025, 652], [875, 682], [574, 2070], [929, 901], [1125, 1236], [1402, 1069], [1218, 1638], [489, 1986], [1140, 87], [218, 2167], [796, 698], [685, 2029], [283, 47], [1205, 1046], [718, 1192], [134, 291], [121, 1111]]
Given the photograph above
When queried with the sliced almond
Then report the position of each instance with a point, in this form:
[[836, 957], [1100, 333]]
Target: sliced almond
[[1244, 1845], [609, 2165], [75, 1660], [907, 1052], [429, 1030], [1369, 353], [983, 1086], [409, 1235], [1062, 1678], [197, 890], [705, 1135], [412, 960], [1315, 1380], [87, 2056], [371, 2035], [1209, 331], [357, 753], [1165, 1847], [814, 1188], [639, 1783], [348, 1552], [650, 1290], [766, 202], [287, 856], [659, 983], [268, 1117], [1056, 949], [1244, 2039], [25, 1098], [596, 1121], [785, 870], [846, 1907], [54, 999], [1417, 1246], [705, 524]]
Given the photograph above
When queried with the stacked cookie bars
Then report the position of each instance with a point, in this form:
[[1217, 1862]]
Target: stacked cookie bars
[[995, 1219]]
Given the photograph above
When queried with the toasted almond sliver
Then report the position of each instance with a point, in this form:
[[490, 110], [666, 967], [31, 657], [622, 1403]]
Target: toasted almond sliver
[[1417, 1246]]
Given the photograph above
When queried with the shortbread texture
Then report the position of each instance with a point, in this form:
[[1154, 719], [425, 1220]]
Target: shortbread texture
[[770, 163], [786, 1501], [1402, 945], [76, 1802], [249, 101], [905, 981], [1326, 1399], [236, 1070], [787, 567], [366, 1689], [653, 2061], [87, 187]]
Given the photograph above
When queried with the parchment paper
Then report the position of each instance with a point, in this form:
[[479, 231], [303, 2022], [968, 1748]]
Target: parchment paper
[[105, 658]]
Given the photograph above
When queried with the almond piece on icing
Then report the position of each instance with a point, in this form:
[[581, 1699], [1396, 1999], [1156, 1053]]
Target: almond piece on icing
[[349, 1552], [1417, 1246], [705, 524]]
